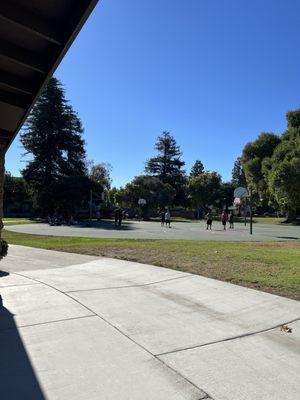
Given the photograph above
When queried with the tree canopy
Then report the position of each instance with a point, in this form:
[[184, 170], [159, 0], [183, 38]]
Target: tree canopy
[[168, 166], [282, 169], [100, 173], [238, 174], [52, 137], [272, 167], [71, 193], [204, 189], [157, 193], [254, 154], [16, 191], [197, 169]]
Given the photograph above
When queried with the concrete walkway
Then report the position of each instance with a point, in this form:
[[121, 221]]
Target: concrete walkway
[[153, 230], [86, 328]]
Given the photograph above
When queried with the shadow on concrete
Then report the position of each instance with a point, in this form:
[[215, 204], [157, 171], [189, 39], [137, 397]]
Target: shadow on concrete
[[288, 237], [107, 225], [17, 378]]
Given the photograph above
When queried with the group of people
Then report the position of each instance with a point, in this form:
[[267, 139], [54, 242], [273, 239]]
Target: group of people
[[165, 218], [57, 219], [224, 219]]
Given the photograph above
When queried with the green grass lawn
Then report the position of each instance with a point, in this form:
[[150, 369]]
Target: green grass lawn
[[19, 221], [270, 266]]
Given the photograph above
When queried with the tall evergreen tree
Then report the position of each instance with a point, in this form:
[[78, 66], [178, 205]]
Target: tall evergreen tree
[[167, 165], [52, 136], [238, 174], [197, 169]]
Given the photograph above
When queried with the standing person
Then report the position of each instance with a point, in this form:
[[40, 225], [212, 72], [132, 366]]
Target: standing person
[[120, 216], [162, 217], [231, 220], [208, 220], [224, 219], [117, 213], [168, 218]]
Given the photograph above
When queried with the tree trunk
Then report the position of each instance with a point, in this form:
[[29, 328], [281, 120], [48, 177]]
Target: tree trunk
[[3, 147]]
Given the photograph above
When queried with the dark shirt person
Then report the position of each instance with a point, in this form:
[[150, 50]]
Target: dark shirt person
[[120, 217], [116, 216], [162, 217], [208, 220], [224, 219]]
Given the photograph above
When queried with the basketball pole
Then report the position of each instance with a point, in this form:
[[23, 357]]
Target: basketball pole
[[251, 219]]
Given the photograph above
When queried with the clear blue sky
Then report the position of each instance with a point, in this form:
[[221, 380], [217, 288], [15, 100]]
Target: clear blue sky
[[215, 73]]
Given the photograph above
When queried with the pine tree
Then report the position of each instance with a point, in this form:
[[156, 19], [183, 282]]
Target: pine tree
[[238, 174], [167, 165], [52, 136], [197, 169]]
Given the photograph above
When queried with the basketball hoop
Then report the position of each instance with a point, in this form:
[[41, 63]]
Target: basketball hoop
[[142, 202], [241, 192]]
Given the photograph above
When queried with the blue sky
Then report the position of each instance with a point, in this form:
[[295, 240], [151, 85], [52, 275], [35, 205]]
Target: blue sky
[[215, 73]]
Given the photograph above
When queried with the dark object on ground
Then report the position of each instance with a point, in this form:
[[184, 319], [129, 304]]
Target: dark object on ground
[[54, 221], [286, 329], [3, 248]]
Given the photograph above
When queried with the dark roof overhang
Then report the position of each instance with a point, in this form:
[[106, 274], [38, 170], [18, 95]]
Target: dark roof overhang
[[34, 37]]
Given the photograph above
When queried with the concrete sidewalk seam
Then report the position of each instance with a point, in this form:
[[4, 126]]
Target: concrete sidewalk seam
[[205, 396], [132, 286], [125, 335], [141, 346], [19, 284], [244, 335], [16, 327]]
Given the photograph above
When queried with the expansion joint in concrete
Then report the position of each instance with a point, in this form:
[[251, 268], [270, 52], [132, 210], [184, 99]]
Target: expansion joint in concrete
[[206, 396], [46, 322], [131, 286], [244, 335], [19, 284]]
